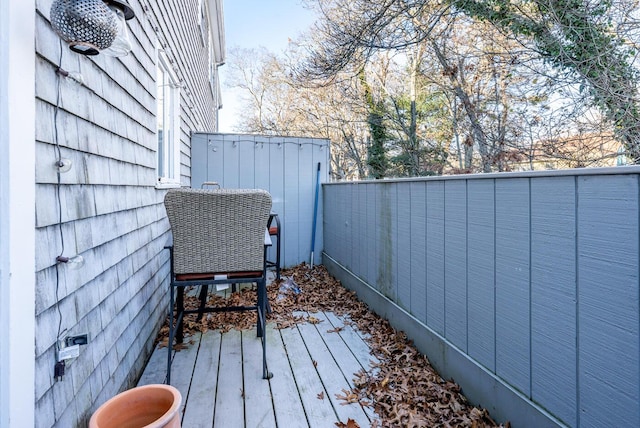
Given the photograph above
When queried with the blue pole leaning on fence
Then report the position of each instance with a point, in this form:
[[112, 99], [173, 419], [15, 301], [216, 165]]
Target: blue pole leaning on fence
[[315, 215]]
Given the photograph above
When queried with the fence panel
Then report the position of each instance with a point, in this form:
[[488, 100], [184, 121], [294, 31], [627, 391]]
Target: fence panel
[[481, 264], [529, 282], [284, 166], [608, 301], [553, 295], [435, 256], [417, 248], [512, 283]]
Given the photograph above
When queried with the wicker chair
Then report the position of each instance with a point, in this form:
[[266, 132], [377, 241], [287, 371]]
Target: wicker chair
[[218, 238]]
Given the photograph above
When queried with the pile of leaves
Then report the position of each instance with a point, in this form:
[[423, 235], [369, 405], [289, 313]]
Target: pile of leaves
[[401, 386]]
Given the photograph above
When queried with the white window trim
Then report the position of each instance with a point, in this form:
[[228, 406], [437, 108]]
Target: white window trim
[[169, 182], [213, 71]]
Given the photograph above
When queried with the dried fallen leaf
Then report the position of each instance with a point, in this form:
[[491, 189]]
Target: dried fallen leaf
[[313, 320], [349, 397], [350, 424], [315, 363], [384, 382], [400, 385], [321, 395], [335, 330]]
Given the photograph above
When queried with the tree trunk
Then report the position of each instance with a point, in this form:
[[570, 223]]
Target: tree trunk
[[413, 138], [469, 108]]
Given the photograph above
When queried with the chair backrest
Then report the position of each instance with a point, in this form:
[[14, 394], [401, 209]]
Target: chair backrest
[[218, 230]]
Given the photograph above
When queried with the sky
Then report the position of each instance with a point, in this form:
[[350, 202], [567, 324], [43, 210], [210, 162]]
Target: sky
[[256, 23]]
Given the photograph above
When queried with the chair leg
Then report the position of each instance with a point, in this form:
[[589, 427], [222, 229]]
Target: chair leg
[[262, 325], [261, 307], [204, 291], [268, 306], [277, 234], [171, 333], [266, 374], [278, 251], [180, 315]]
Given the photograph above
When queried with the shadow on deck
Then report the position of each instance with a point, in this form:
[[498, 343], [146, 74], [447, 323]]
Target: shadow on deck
[[333, 362], [313, 364]]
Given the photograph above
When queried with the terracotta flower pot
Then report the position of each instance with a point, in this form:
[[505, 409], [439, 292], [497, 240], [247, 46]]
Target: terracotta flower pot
[[149, 406]]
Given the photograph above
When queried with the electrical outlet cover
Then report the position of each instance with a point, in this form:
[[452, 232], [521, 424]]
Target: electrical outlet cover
[[69, 352]]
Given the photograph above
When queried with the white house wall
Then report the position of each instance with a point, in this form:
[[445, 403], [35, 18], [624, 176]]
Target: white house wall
[[111, 211]]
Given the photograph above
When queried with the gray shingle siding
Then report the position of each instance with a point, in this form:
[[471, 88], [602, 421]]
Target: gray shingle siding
[[111, 211]]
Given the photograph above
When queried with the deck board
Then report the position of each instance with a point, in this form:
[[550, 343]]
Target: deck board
[[229, 407], [199, 412], [257, 394], [340, 348], [344, 355], [332, 377], [183, 364], [286, 398], [318, 410], [220, 376], [156, 369], [355, 340]]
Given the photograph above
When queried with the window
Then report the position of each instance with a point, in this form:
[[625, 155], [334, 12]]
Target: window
[[168, 114], [202, 23]]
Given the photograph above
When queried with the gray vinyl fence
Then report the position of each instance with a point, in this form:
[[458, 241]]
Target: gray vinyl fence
[[284, 166], [523, 287]]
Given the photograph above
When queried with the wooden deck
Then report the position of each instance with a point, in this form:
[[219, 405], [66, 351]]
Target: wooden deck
[[220, 376]]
